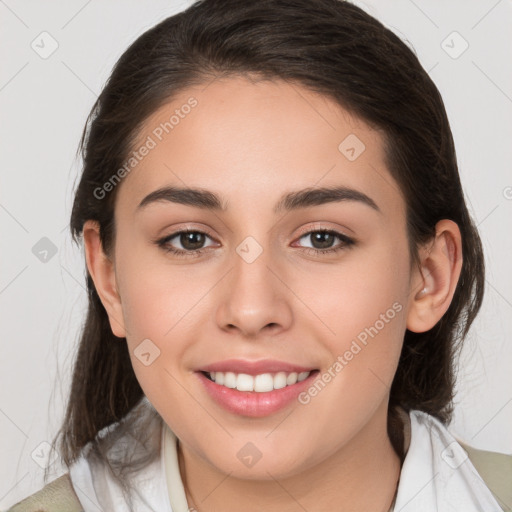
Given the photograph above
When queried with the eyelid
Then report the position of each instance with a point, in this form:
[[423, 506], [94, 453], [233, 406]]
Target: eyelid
[[317, 226], [184, 227]]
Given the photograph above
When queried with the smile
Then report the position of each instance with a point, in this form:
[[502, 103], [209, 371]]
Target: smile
[[257, 395]]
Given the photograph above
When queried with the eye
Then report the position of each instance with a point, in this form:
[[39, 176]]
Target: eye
[[190, 240], [322, 240]]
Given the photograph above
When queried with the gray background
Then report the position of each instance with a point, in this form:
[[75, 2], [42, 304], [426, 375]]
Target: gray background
[[44, 103]]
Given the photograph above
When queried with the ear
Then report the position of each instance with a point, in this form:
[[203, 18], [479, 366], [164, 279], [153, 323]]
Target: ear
[[102, 273], [433, 287]]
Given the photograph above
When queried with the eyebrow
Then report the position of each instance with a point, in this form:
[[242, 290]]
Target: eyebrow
[[295, 200]]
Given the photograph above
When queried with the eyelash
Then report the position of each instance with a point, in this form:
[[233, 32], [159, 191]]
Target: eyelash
[[163, 243]]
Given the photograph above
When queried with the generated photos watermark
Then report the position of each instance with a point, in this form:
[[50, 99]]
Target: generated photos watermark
[[358, 343]]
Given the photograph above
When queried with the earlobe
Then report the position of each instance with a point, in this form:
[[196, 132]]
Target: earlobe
[[101, 269], [434, 285]]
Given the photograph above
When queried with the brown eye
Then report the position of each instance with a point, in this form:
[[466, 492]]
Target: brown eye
[[322, 241], [191, 242]]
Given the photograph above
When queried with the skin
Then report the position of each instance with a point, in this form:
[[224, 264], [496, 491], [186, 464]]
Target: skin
[[250, 143]]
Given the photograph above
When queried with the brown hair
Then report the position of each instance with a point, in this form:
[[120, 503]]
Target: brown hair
[[330, 47]]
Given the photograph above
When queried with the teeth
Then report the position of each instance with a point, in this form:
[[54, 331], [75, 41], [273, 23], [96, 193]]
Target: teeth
[[259, 383]]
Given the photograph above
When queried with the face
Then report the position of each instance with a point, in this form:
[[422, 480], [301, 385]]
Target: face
[[318, 284]]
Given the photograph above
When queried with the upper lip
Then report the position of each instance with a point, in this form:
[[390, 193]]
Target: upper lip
[[254, 367]]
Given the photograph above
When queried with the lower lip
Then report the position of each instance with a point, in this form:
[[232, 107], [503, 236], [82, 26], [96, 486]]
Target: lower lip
[[251, 403]]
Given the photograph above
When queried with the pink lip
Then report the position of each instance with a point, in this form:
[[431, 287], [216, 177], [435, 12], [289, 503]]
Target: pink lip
[[254, 367], [251, 403]]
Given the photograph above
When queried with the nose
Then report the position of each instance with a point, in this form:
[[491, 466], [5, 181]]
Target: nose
[[255, 299]]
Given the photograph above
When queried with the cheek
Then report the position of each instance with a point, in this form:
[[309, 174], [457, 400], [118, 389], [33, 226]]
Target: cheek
[[152, 292], [155, 316], [164, 307], [353, 294], [360, 308]]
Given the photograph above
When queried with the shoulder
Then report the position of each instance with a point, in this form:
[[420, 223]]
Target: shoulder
[[57, 496], [496, 471], [493, 469]]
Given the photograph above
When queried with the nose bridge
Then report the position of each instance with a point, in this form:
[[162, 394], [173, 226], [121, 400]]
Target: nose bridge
[[253, 297]]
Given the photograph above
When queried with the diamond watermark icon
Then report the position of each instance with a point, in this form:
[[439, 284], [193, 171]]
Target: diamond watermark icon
[[42, 453], [146, 352], [249, 249], [454, 455], [351, 147], [454, 45], [44, 250], [249, 455], [44, 45]]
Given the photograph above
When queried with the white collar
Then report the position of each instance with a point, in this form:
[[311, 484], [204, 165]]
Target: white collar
[[92, 479], [437, 473]]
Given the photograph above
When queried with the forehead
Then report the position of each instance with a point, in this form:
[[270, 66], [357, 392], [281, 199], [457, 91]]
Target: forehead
[[252, 141]]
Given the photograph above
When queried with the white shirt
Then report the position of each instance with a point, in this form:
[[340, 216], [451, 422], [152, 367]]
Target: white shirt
[[436, 474]]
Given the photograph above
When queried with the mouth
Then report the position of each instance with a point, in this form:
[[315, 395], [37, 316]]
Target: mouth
[[255, 396]]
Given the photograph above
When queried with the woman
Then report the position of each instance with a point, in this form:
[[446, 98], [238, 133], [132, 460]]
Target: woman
[[281, 267]]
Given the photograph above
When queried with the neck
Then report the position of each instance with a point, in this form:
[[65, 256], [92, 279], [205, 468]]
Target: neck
[[368, 461]]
